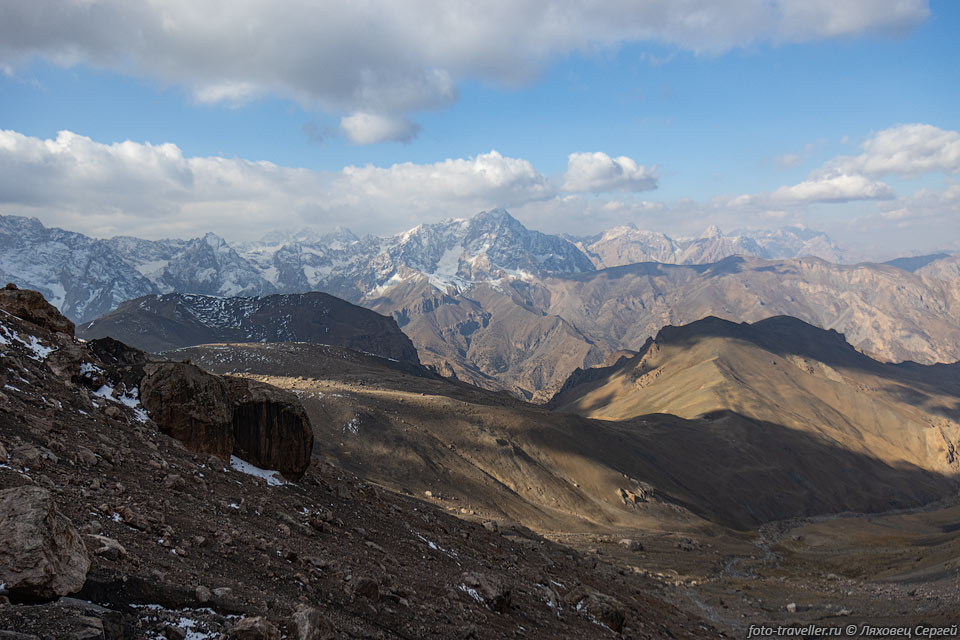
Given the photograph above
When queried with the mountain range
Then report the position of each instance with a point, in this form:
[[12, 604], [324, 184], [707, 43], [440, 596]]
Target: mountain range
[[86, 277], [505, 307]]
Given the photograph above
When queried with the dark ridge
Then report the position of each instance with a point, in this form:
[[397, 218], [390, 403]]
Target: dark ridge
[[914, 263]]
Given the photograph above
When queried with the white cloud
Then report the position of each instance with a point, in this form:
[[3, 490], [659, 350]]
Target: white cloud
[[396, 58], [842, 188], [905, 150], [599, 173], [367, 128], [485, 181], [154, 191]]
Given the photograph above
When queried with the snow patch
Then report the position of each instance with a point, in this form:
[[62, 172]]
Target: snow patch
[[39, 351], [470, 592], [272, 477], [353, 426], [129, 399]]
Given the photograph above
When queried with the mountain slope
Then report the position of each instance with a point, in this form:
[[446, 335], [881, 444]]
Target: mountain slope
[[488, 455], [628, 245], [160, 323], [186, 545], [505, 307], [81, 276], [785, 371]]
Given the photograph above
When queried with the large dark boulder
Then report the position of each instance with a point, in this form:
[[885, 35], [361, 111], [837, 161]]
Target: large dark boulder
[[270, 427], [227, 416], [191, 405], [42, 556]]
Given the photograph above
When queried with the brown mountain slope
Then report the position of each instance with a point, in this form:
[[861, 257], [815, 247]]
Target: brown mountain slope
[[492, 456], [184, 545], [785, 371], [527, 336]]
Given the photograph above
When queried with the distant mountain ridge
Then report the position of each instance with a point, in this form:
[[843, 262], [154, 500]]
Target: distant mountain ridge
[[782, 369], [86, 277], [628, 245], [174, 320], [504, 307]]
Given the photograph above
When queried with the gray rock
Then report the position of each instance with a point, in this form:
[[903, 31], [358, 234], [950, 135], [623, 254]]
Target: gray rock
[[256, 628], [309, 623], [491, 591], [42, 555], [107, 548]]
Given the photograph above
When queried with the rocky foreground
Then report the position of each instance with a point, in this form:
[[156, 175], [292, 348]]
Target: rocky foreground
[[112, 527]]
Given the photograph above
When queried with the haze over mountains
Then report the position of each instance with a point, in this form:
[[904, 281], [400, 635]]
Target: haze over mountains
[[505, 307]]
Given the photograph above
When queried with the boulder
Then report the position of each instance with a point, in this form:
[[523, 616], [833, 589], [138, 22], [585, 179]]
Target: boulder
[[256, 628], [226, 416], [270, 428], [309, 623], [603, 608], [490, 590], [107, 547], [190, 405], [32, 306], [42, 556]]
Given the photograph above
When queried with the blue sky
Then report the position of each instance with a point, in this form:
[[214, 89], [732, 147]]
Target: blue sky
[[690, 119]]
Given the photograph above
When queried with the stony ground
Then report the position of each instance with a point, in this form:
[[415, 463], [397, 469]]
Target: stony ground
[[201, 546]]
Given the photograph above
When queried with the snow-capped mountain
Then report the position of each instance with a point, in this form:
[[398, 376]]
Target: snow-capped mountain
[[454, 253], [86, 277], [628, 245], [81, 276]]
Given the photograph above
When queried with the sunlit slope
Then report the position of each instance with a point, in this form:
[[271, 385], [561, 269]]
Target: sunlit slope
[[784, 371], [489, 455]]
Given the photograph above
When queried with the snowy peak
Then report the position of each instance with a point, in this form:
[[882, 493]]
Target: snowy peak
[[711, 233], [623, 245], [86, 277]]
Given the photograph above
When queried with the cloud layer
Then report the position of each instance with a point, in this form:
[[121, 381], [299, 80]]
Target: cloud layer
[[376, 62], [153, 190]]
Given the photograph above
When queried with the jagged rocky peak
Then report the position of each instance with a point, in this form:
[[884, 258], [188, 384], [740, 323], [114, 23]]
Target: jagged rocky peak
[[711, 232]]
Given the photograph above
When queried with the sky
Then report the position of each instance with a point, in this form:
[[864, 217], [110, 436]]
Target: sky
[[171, 118]]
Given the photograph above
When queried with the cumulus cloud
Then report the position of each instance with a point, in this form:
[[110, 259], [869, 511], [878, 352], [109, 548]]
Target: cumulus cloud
[[153, 190], [367, 128], [397, 58], [841, 188], [484, 181], [905, 150], [599, 173]]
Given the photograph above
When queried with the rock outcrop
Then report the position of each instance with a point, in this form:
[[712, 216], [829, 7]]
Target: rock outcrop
[[190, 405], [270, 427], [42, 555], [32, 306], [209, 414]]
